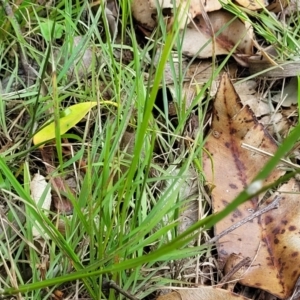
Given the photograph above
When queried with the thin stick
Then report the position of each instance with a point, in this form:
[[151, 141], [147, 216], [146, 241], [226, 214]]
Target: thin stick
[[246, 261], [265, 153], [111, 284], [272, 205]]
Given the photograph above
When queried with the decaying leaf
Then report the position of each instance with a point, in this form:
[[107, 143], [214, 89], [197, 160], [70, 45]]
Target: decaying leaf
[[144, 10], [228, 31], [58, 184], [187, 10], [276, 261], [143, 13], [249, 96], [197, 36], [38, 185], [195, 75], [233, 125], [202, 293]]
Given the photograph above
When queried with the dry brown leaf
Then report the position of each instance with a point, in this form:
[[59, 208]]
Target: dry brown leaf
[[234, 168], [187, 9], [249, 96], [197, 37], [143, 13], [276, 264], [145, 10], [202, 293], [58, 184]]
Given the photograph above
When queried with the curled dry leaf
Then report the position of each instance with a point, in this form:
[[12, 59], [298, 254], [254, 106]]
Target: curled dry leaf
[[202, 293], [228, 31], [38, 185], [231, 168]]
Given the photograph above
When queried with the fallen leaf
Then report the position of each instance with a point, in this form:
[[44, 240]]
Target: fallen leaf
[[197, 36], [143, 13], [72, 115], [38, 186], [144, 10], [249, 96], [187, 10], [276, 261], [228, 31], [59, 186], [231, 168], [202, 293]]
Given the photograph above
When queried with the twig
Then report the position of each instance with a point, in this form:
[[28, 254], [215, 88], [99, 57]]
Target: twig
[[265, 153], [272, 205], [242, 263], [111, 284]]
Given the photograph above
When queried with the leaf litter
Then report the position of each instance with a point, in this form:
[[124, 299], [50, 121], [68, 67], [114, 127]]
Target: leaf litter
[[229, 168], [232, 125]]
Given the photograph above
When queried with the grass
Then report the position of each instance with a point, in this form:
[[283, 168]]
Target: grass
[[127, 196]]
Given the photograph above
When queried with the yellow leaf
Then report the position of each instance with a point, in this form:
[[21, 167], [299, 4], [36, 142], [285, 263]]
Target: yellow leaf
[[72, 115]]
